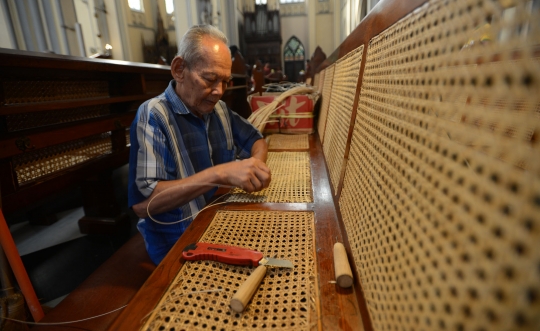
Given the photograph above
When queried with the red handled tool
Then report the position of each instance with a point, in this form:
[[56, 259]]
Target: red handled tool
[[237, 256], [231, 255]]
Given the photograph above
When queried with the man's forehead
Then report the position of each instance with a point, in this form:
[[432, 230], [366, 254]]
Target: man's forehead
[[206, 70]]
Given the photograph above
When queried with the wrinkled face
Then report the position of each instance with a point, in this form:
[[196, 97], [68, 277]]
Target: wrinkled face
[[201, 85]]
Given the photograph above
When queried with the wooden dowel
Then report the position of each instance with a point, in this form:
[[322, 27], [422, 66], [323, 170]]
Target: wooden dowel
[[342, 268], [241, 298], [19, 271]]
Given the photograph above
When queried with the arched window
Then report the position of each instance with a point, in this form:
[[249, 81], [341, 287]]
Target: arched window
[[294, 50], [169, 6], [136, 5], [293, 56]]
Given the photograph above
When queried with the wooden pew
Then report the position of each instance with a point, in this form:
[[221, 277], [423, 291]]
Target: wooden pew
[[64, 121], [338, 307], [426, 164], [434, 166]]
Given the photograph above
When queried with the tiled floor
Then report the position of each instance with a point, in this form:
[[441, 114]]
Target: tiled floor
[[58, 257]]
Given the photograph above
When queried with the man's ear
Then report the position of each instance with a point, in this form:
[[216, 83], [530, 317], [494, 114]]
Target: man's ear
[[177, 68]]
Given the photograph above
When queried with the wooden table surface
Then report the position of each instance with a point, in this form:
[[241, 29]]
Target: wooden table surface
[[339, 309]]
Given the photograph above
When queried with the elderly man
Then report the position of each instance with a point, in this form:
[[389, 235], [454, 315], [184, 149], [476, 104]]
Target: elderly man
[[186, 142]]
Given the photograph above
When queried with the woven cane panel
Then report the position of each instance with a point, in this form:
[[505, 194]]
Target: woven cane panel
[[199, 297], [33, 165], [288, 141], [340, 112], [319, 80], [441, 198], [17, 92], [16, 122], [325, 103], [291, 180]]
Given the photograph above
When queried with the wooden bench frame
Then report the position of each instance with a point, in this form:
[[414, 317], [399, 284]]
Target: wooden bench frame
[[114, 283], [344, 308], [340, 308]]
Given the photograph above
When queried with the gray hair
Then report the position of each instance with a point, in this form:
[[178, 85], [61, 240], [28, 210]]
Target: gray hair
[[190, 46]]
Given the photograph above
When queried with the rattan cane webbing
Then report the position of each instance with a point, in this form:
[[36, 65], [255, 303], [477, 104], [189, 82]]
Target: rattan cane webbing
[[23, 121], [291, 180], [287, 299], [319, 83], [34, 165], [325, 103], [319, 80], [288, 141], [24, 91], [340, 112], [441, 198]]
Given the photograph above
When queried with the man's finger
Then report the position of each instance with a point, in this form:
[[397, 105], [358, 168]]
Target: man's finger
[[263, 177], [257, 185], [261, 165]]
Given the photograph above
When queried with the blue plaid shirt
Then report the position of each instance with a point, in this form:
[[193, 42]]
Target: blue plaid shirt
[[168, 142]]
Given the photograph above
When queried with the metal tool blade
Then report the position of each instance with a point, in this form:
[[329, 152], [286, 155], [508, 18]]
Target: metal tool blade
[[271, 262]]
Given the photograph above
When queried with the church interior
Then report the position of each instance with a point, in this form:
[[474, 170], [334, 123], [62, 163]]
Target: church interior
[[403, 140]]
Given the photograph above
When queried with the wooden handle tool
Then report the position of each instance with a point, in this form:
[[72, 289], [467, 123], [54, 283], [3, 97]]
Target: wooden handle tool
[[242, 297], [342, 268]]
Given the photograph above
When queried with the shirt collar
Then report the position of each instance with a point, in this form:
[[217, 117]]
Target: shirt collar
[[176, 103]]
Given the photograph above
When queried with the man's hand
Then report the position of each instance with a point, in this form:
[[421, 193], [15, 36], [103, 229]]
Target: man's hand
[[251, 175]]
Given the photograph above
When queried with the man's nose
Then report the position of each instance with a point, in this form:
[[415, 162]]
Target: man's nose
[[219, 88]]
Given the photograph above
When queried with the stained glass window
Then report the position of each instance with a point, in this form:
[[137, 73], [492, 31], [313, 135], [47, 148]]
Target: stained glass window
[[294, 50]]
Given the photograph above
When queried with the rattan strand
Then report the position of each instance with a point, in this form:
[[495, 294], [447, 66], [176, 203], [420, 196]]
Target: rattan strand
[[285, 300], [340, 112], [441, 198], [34, 165], [325, 103], [291, 180], [288, 141]]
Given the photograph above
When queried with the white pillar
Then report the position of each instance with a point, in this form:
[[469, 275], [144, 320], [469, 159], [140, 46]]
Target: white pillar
[[312, 28], [115, 21], [185, 16], [230, 21], [337, 24], [7, 38]]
